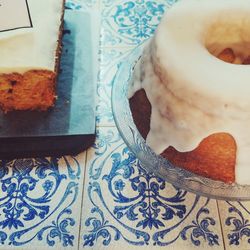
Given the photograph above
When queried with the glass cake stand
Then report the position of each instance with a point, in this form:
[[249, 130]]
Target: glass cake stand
[[161, 167]]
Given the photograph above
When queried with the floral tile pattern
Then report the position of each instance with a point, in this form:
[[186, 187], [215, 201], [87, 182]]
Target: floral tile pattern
[[109, 61], [235, 218], [124, 203], [130, 22], [38, 199], [82, 4], [74, 5]]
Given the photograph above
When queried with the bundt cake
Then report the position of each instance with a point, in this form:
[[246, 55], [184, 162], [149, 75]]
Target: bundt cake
[[189, 96]]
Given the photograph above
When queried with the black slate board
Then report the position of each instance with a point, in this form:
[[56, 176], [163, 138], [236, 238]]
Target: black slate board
[[69, 127]]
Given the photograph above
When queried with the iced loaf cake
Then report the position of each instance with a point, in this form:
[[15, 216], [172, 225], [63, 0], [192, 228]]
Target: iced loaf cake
[[30, 58]]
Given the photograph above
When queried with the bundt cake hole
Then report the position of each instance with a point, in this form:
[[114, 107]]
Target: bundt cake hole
[[229, 41], [228, 55]]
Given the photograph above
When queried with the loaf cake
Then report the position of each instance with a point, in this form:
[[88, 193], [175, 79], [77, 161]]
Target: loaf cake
[[30, 58], [190, 91]]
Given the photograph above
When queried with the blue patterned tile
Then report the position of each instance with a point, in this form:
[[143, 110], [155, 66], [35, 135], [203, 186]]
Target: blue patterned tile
[[130, 22], [124, 205], [39, 202], [74, 4], [81, 4], [235, 218], [109, 60]]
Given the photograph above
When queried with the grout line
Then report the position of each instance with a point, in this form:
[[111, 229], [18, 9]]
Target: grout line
[[100, 4], [105, 126], [118, 47], [84, 183], [82, 196], [221, 227]]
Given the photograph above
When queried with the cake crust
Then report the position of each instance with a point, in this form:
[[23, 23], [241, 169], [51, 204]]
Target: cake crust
[[33, 90]]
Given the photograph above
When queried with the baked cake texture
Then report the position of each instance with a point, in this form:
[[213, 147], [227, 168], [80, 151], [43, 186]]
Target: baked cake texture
[[30, 59], [190, 91]]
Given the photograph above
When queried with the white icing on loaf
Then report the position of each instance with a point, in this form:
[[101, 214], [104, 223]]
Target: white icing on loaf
[[35, 48], [194, 94]]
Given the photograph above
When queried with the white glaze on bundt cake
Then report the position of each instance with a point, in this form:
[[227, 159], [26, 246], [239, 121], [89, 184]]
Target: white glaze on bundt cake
[[194, 75]]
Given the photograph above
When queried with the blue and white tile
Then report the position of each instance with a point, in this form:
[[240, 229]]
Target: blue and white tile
[[109, 61], [126, 23], [235, 217], [82, 4], [125, 206], [40, 202], [74, 4]]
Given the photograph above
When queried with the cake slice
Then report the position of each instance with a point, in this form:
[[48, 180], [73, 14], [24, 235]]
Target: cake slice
[[30, 58]]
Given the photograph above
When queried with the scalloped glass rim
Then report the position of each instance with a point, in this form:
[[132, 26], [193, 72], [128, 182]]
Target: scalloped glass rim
[[179, 177]]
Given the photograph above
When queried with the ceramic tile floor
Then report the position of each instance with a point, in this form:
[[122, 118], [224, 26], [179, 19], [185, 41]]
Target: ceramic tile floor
[[103, 198]]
